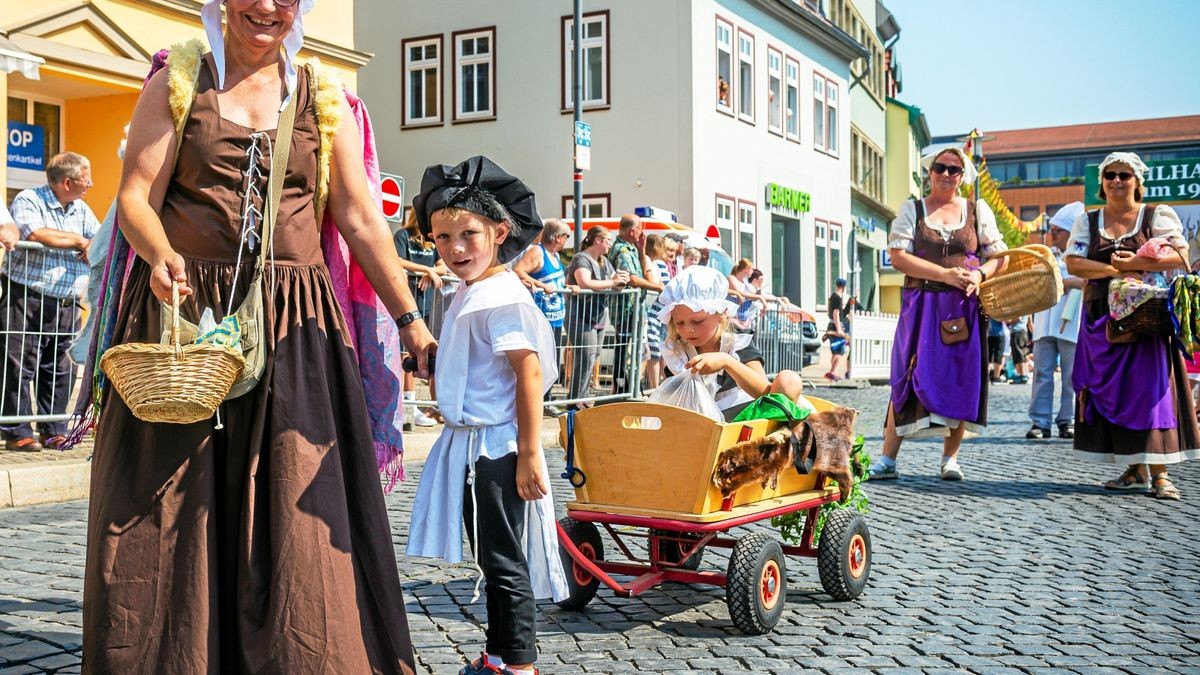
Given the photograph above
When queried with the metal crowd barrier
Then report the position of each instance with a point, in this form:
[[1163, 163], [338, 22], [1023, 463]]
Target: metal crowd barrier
[[39, 382], [788, 338]]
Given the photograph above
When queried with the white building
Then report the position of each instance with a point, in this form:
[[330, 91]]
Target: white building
[[768, 163]]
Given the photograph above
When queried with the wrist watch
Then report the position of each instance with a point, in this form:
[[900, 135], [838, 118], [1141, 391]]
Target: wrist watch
[[407, 318]]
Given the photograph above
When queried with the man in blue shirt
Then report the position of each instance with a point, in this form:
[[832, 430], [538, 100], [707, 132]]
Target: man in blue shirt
[[39, 313]]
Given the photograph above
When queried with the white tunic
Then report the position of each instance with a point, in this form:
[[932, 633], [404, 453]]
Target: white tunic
[[477, 397]]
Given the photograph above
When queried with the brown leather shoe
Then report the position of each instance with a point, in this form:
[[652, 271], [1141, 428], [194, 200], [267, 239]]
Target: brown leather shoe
[[22, 445]]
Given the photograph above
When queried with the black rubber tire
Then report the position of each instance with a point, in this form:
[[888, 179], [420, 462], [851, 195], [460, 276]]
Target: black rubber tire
[[671, 551], [845, 532], [754, 557], [580, 583]]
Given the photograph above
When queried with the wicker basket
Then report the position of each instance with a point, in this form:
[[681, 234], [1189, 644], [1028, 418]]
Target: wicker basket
[[1029, 282], [174, 383]]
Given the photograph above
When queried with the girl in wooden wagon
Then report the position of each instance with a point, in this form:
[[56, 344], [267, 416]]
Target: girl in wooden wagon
[[700, 339]]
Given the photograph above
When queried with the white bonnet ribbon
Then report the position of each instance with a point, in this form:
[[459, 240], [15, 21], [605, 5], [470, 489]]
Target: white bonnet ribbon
[[210, 15]]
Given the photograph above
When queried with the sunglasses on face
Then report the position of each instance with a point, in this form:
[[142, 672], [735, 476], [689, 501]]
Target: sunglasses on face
[[1114, 175], [940, 168]]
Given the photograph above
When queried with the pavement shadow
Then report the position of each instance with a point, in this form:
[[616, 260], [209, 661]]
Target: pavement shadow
[[36, 620], [986, 489]]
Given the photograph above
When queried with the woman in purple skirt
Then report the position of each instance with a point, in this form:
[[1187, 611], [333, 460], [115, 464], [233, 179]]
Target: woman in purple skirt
[[1133, 401], [939, 357]]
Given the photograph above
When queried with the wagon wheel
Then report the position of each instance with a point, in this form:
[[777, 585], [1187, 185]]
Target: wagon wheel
[[756, 583], [844, 555], [671, 551], [581, 584]]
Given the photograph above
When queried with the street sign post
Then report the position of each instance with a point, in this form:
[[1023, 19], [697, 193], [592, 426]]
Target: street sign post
[[583, 146], [392, 188]]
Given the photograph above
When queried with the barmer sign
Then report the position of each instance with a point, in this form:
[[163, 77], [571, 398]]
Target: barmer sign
[[1169, 181], [788, 199]]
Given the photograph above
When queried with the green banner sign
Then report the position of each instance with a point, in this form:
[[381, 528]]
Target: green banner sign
[[1169, 181], [788, 199]]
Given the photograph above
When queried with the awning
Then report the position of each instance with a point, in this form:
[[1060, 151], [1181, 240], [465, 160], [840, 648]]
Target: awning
[[13, 59]]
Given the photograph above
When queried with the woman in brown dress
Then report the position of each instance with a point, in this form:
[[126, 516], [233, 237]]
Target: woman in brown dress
[[263, 546]]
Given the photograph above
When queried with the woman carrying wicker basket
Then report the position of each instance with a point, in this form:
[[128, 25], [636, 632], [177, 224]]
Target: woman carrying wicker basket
[[260, 543], [939, 356], [1133, 400]]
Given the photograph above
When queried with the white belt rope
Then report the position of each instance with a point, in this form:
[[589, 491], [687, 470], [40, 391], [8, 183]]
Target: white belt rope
[[472, 441]]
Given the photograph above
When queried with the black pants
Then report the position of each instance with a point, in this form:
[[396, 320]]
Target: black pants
[[38, 331], [511, 629]]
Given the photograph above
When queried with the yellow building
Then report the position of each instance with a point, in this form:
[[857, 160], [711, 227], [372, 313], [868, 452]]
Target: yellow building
[[907, 133], [71, 71]]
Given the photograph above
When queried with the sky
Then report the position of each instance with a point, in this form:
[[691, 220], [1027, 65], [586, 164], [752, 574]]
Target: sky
[[1016, 64]]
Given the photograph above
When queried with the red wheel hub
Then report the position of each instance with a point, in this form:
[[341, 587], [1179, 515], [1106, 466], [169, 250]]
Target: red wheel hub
[[771, 584], [582, 576], [857, 556]]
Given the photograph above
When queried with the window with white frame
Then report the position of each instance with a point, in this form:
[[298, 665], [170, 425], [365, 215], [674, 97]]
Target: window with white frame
[[593, 206], [475, 74], [818, 112], [724, 66], [745, 76], [594, 69], [774, 92], [792, 101], [725, 225], [747, 232], [831, 110], [422, 80], [822, 238], [835, 253]]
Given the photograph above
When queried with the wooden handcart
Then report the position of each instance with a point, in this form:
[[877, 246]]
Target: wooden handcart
[[649, 466]]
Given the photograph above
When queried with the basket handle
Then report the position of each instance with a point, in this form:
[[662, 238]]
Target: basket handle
[[175, 318]]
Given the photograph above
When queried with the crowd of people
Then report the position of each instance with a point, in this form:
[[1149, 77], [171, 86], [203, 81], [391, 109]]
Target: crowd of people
[[280, 553]]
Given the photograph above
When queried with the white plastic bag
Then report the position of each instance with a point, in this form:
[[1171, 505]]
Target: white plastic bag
[[688, 390]]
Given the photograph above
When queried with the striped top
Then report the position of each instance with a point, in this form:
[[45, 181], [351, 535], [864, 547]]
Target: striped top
[[57, 273]]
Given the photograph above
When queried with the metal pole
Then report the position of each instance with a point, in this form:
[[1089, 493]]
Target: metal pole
[[576, 96]]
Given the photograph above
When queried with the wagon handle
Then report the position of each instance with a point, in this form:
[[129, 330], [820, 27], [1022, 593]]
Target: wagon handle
[[574, 476]]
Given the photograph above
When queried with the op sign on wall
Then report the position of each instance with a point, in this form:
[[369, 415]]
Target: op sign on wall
[[26, 146]]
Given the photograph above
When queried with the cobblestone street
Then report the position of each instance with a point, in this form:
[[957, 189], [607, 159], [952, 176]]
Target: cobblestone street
[[1026, 566]]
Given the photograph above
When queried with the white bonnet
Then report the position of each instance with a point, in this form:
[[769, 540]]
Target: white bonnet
[[969, 172], [1066, 216], [210, 14], [700, 288], [1128, 158]]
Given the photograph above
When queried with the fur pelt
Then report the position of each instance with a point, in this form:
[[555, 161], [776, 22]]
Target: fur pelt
[[831, 435], [760, 460], [827, 438]]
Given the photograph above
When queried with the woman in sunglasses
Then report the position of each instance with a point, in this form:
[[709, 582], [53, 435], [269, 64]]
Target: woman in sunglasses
[[939, 356], [260, 543], [1134, 400]]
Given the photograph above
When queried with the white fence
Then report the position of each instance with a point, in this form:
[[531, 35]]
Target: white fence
[[871, 344]]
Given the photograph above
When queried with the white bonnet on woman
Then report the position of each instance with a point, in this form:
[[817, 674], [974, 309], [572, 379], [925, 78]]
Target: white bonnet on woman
[[210, 15], [1129, 159], [969, 172]]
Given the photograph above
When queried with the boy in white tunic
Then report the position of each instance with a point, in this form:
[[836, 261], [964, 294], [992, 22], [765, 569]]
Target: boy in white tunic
[[497, 358]]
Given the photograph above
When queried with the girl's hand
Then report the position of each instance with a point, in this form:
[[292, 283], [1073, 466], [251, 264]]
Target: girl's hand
[[431, 279], [165, 271], [707, 364], [531, 482]]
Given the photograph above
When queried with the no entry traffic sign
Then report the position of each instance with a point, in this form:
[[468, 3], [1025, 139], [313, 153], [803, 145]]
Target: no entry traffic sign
[[392, 187]]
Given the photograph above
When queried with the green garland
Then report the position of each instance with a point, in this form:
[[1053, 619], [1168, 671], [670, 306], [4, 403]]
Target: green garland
[[791, 526]]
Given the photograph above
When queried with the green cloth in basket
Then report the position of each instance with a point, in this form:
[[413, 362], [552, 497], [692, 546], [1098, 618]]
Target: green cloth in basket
[[772, 407]]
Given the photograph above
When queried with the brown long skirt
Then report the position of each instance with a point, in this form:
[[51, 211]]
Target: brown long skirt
[[262, 547]]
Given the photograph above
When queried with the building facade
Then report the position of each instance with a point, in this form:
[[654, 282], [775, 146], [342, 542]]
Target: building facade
[[872, 26], [71, 72], [730, 113], [1041, 169], [907, 134]]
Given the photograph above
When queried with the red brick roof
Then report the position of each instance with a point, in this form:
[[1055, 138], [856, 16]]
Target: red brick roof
[[1104, 135]]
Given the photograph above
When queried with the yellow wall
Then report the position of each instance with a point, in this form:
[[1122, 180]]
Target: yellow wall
[[95, 131], [903, 158]]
